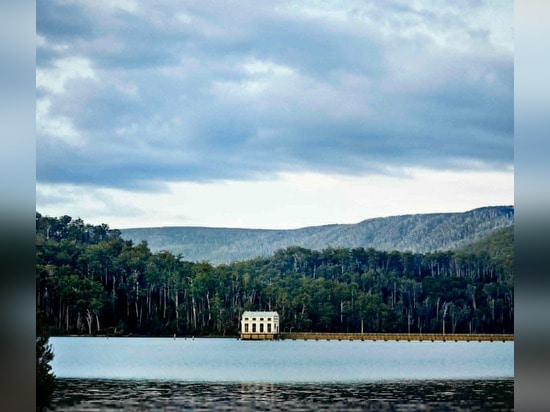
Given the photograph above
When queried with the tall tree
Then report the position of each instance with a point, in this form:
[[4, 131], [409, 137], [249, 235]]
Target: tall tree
[[45, 379]]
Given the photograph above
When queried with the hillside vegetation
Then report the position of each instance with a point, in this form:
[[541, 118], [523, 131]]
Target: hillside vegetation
[[90, 281], [499, 245], [419, 233]]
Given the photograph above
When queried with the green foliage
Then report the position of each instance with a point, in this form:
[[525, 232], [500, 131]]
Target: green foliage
[[420, 233], [108, 285], [499, 245], [45, 379]]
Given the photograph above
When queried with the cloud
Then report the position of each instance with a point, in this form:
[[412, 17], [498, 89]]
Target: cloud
[[291, 200], [134, 95]]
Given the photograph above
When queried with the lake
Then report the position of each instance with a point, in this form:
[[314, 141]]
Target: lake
[[208, 373]]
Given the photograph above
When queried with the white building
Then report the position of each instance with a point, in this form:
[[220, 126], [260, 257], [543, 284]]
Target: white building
[[259, 325]]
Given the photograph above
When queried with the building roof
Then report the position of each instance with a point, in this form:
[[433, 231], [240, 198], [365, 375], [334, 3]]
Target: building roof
[[260, 314]]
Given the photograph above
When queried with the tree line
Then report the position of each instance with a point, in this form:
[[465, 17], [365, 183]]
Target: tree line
[[90, 281]]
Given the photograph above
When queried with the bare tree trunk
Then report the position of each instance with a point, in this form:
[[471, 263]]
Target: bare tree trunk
[[164, 310], [89, 320], [60, 321], [149, 300], [113, 294], [137, 299], [177, 311], [472, 292], [194, 308], [159, 306], [445, 307], [208, 305]]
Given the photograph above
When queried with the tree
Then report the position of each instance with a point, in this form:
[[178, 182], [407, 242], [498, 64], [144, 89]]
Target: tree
[[371, 310], [45, 379], [90, 280]]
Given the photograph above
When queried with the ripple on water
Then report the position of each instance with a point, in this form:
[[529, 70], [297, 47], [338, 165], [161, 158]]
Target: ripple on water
[[455, 395]]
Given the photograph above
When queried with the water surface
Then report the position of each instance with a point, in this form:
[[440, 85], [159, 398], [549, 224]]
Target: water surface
[[229, 374], [232, 360], [426, 395]]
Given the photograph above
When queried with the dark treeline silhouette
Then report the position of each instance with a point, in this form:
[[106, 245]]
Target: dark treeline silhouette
[[45, 379], [91, 281]]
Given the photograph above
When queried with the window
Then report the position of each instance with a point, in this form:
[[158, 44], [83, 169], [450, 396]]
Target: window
[[253, 328], [269, 328], [261, 327], [269, 319], [245, 318], [262, 319], [246, 327]]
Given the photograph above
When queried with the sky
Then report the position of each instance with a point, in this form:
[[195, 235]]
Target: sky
[[272, 114]]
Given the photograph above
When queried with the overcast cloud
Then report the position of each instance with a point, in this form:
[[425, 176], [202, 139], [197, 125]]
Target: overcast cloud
[[137, 95]]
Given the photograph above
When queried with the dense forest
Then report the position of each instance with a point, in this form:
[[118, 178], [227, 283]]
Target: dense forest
[[419, 233], [91, 281]]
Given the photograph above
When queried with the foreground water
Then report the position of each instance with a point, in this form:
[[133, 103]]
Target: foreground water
[[229, 374], [452, 395]]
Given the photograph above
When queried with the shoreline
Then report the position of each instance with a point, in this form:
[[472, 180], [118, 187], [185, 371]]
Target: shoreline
[[316, 336]]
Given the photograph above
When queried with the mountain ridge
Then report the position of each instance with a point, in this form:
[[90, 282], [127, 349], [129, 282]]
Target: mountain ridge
[[418, 233]]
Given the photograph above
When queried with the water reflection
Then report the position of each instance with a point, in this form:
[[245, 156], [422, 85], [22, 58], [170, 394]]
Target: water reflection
[[453, 395]]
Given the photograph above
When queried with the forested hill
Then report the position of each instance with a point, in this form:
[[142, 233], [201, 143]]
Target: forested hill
[[499, 245], [420, 233], [91, 281]]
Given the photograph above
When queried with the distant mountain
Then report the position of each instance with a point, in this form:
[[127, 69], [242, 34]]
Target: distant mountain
[[420, 233]]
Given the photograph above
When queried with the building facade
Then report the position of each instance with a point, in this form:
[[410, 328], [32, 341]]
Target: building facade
[[259, 325]]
